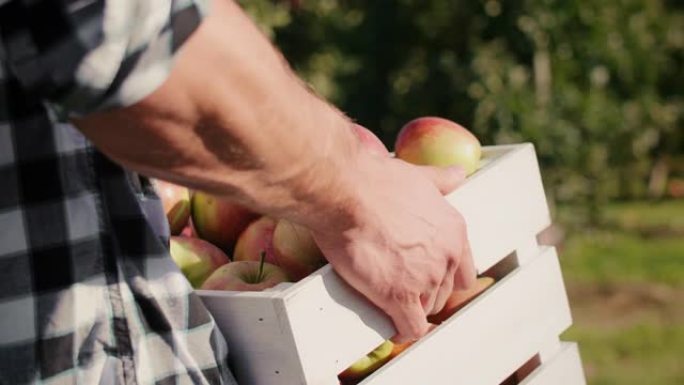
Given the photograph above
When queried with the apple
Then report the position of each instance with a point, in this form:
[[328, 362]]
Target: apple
[[438, 142], [257, 238], [283, 243], [367, 364], [196, 258], [400, 347], [295, 250], [218, 220], [245, 276], [460, 298], [369, 141], [176, 202]]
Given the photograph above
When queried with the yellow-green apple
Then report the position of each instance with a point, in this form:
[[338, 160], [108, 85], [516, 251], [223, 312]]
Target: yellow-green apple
[[245, 276], [176, 202], [438, 142], [369, 141], [257, 238], [196, 258], [295, 250], [218, 220], [367, 364], [460, 298]]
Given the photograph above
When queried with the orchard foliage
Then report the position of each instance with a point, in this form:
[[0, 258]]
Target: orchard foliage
[[597, 86]]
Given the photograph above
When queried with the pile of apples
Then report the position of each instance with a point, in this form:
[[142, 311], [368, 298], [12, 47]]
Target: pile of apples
[[220, 245]]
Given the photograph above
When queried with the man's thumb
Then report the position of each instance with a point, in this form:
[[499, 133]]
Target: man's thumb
[[446, 179]]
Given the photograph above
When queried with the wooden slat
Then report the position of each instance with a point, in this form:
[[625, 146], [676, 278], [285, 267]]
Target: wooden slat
[[503, 203], [492, 336], [563, 369], [259, 338]]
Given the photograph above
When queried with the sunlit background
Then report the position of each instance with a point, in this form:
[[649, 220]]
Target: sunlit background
[[597, 86]]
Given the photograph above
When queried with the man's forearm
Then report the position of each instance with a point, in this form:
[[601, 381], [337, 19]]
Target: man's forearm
[[233, 119]]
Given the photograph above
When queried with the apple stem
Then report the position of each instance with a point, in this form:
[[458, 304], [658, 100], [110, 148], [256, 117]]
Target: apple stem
[[261, 266]]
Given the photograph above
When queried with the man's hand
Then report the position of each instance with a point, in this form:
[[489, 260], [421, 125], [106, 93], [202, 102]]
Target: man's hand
[[407, 249]]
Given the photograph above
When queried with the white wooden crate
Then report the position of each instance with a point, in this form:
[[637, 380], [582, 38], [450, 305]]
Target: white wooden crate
[[563, 368], [308, 332]]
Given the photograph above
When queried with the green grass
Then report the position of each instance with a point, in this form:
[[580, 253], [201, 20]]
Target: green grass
[[634, 215], [639, 242], [626, 285], [640, 354], [606, 256], [641, 215]]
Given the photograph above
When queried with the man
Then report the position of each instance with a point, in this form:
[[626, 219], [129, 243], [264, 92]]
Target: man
[[88, 294]]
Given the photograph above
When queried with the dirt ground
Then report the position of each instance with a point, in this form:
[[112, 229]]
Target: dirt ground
[[620, 305]]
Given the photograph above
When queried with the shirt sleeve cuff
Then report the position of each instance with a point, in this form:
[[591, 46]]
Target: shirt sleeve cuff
[[136, 54]]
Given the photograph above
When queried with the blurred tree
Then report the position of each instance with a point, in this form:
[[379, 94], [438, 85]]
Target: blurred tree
[[596, 86]]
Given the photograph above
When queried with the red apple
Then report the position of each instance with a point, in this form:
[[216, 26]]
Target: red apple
[[399, 348], [196, 258], [460, 298], [295, 250], [257, 238], [438, 142], [369, 140], [219, 220], [176, 202], [245, 276]]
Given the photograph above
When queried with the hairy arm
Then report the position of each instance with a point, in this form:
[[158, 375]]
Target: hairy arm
[[232, 119]]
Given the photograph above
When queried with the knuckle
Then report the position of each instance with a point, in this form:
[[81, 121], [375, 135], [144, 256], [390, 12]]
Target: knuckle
[[399, 296], [459, 219], [453, 261], [411, 332], [434, 281], [417, 330]]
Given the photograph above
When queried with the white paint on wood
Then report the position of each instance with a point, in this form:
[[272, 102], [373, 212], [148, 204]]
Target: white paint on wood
[[331, 324], [503, 203], [259, 337], [565, 368], [527, 250], [550, 348]]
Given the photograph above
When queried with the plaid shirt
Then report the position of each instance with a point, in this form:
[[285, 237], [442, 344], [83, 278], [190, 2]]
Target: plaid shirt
[[88, 292]]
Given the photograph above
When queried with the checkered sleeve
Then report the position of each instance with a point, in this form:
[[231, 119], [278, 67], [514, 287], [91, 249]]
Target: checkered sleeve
[[88, 55]]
